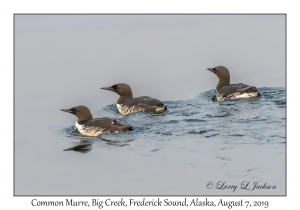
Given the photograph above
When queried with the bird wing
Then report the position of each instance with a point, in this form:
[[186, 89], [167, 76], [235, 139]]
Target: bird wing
[[143, 101], [108, 124], [234, 89], [103, 122], [151, 102]]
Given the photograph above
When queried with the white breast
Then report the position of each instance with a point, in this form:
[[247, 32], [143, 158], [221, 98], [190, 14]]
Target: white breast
[[119, 108]]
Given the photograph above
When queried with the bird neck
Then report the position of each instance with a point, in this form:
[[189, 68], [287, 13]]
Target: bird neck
[[124, 98], [82, 120], [223, 82]]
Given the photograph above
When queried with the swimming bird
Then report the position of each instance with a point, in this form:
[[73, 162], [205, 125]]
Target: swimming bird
[[225, 90], [88, 126], [127, 104]]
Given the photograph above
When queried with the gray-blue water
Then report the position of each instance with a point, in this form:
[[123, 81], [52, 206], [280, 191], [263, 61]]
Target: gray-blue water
[[195, 145]]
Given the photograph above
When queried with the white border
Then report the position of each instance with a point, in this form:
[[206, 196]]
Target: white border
[[8, 8]]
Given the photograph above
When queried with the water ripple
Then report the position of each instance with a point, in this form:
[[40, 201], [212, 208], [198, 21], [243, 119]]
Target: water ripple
[[243, 121]]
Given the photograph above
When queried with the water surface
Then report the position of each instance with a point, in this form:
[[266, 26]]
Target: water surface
[[178, 152]]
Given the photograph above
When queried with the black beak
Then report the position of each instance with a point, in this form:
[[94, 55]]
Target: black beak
[[108, 88], [68, 110], [211, 69]]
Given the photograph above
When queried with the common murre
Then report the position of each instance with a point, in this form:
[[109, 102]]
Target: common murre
[[225, 90], [88, 126], [127, 104]]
